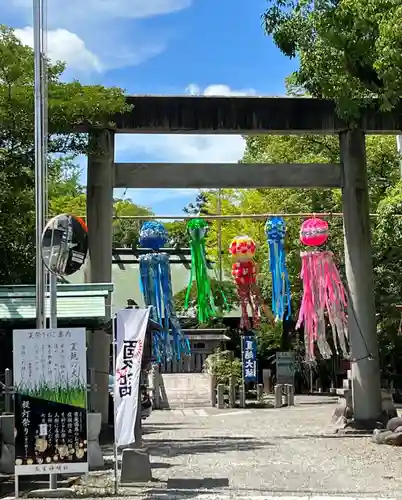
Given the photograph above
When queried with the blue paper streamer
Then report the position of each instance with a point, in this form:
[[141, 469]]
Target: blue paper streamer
[[275, 230], [156, 287]]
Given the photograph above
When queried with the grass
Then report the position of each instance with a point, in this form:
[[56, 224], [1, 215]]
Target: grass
[[72, 393]]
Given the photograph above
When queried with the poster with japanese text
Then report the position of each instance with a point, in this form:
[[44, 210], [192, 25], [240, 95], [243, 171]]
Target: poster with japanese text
[[50, 380], [249, 358]]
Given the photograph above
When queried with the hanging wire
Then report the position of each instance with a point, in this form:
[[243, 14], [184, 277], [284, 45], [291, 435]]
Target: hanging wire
[[235, 216]]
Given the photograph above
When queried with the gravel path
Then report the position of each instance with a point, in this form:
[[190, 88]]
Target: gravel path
[[264, 454], [276, 451]]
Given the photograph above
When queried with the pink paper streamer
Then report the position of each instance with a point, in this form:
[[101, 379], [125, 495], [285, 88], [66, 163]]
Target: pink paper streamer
[[324, 299]]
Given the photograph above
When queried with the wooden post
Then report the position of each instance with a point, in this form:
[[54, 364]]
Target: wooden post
[[212, 382], [266, 377], [99, 222], [155, 383], [232, 391], [366, 385], [220, 389], [259, 392], [278, 395], [242, 396]]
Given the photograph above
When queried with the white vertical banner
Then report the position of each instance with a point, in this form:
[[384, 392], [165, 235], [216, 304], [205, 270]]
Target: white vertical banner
[[131, 327]]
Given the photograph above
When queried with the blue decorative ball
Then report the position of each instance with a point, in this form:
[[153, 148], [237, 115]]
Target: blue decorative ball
[[153, 235], [275, 229]]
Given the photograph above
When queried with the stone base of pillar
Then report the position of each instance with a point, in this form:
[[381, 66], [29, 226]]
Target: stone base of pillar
[[7, 454], [343, 413], [98, 354], [95, 457], [135, 466]]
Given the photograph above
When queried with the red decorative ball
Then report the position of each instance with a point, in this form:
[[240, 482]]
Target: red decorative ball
[[314, 232], [242, 248], [244, 272]]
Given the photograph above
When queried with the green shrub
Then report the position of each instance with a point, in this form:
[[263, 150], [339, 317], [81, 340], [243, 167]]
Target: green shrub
[[223, 366]]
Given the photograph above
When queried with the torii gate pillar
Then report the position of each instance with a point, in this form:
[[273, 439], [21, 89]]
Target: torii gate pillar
[[366, 384], [100, 180]]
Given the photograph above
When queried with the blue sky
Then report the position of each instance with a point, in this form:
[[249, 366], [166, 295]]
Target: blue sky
[[162, 47]]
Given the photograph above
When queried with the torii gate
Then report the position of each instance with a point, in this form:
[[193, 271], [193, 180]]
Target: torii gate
[[245, 116]]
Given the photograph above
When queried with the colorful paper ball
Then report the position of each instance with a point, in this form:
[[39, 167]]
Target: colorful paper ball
[[242, 248], [275, 229], [153, 235], [314, 232], [244, 272], [197, 228]]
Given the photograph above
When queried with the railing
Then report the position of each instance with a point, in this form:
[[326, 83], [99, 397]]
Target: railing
[[188, 364]]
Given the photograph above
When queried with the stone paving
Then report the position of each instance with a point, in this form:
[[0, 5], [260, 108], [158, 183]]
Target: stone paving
[[274, 451], [258, 454]]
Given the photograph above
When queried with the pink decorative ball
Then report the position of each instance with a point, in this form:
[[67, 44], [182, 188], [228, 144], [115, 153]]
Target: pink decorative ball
[[314, 232]]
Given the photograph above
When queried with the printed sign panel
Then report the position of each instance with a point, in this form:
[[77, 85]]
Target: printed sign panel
[[285, 367], [249, 357], [50, 380]]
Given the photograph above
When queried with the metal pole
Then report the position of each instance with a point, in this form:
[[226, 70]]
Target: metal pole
[[53, 300], [114, 354], [53, 324], [243, 383], [311, 378], [39, 16], [39, 161], [8, 382], [399, 150], [219, 233]]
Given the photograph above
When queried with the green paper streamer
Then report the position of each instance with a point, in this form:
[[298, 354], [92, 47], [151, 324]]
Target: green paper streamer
[[199, 272]]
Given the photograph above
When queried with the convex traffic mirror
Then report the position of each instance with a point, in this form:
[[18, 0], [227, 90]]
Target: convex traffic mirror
[[64, 244]]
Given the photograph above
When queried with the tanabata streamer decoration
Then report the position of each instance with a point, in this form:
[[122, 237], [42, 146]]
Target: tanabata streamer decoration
[[244, 272], [323, 293], [156, 285], [275, 230], [199, 272]]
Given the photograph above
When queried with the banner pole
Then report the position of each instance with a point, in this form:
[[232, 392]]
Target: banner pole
[[243, 383], [114, 354]]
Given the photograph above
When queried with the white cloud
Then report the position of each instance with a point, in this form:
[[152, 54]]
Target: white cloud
[[99, 35], [217, 89], [77, 11], [63, 45]]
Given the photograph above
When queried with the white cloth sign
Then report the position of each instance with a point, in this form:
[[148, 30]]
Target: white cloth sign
[[131, 327]]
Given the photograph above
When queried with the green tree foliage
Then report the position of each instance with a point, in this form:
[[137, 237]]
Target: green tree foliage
[[67, 195], [383, 171], [178, 236], [224, 294], [349, 50], [126, 231], [387, 238], [70, 105]]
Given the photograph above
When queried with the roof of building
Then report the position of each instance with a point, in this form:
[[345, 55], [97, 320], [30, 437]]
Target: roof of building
[[126, 280], [75, 302]]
